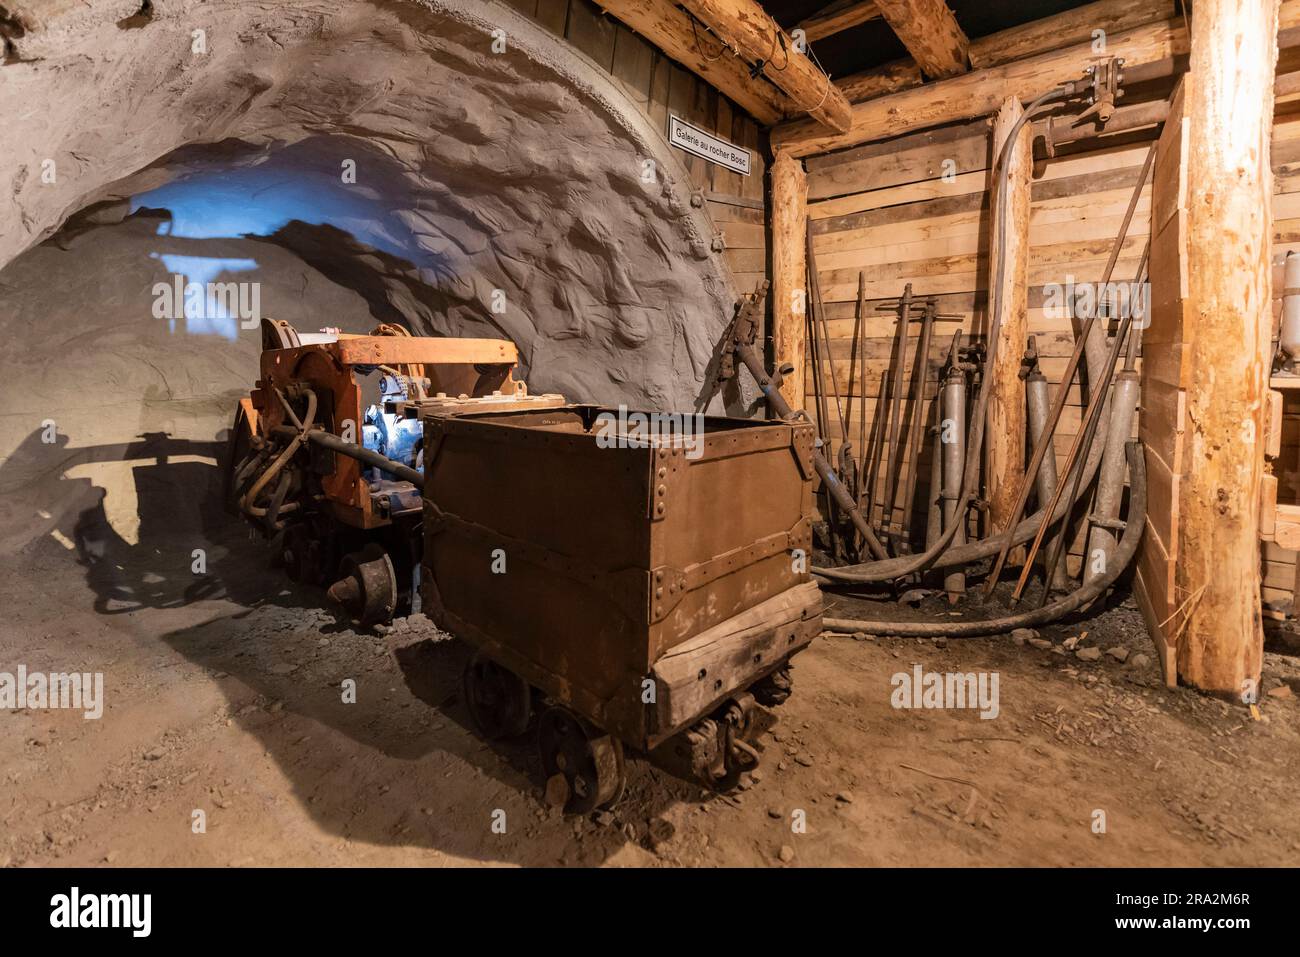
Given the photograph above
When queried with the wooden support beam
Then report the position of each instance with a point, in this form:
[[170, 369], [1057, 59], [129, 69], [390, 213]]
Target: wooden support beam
[[1039, 36], [672, 31], [748, 29], [931, 34], [981, 92], [978, 93], [1073, 26], [1229, 107], [836, 18], [1005, 444], [879, 80], [789, 215]]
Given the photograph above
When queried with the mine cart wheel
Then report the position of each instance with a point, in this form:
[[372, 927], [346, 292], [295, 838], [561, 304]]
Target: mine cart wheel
[[775, 688], [367, 586], [499, 701], [590, 760]]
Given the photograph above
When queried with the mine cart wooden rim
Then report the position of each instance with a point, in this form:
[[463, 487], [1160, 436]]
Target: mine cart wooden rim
[[590, 760], [499, 701]]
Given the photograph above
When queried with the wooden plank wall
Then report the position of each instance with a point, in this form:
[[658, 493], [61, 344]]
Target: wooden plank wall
[[916, 210], [887, 210], [1279, 570], [659, 86]]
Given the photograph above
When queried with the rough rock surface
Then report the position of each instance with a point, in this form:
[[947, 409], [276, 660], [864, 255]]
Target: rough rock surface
[[514, 179]]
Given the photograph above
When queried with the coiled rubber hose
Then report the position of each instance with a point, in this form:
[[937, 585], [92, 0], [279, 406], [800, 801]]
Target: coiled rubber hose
[[1134, 522]]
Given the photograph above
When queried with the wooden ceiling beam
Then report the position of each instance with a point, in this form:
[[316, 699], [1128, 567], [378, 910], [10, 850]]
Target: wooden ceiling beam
[[1039, 36], [672, 31], [931, 34], [879, 80], [748, 29], [981, 92], [838, 17], [1063, 29]]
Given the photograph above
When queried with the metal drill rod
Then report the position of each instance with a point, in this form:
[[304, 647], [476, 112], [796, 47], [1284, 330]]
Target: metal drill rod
[[1044, 442], [1122, 421], [819, 397], [363, 455], [892, 451], [1038, 401], [920, 374], [953, 397], [821, 325], [877, 447], [1082, 440], [834, 487], [861, 339], [855, 346]]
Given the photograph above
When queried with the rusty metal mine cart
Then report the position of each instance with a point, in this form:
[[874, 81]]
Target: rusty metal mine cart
[[649, 594]]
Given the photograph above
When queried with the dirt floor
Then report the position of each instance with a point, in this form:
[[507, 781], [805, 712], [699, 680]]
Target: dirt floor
[[223, 695]]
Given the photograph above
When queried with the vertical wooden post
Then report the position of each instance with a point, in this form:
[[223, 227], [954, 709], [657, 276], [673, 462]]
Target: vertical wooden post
[[1005, 442], [789, 273], [1229, 217]]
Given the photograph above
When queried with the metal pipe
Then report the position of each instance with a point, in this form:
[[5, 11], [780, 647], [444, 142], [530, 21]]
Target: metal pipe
[[1097, 409], [920, 372], [1054, 130], [1090, 339], [1036, 397], [1128, 546], [834, 487], [877, 448], [886, 570], [1083, 440], [1288, 341], [1102, 539], [895, 409], [859, 336], [934, 510], [366, 456], [952, 433]]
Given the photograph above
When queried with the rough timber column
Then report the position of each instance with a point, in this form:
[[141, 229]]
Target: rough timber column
[[789, 273], [1005, 454], [1230, 109]]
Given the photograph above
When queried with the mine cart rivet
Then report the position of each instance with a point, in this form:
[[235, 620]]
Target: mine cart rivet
[[659, 593], [662, 472], [662, 489], [659, 576], [660, 508]]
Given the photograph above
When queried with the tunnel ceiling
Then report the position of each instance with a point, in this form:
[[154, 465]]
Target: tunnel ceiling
[[498, 192]]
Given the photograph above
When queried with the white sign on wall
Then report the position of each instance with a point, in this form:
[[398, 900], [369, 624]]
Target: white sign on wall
[[695, 140]]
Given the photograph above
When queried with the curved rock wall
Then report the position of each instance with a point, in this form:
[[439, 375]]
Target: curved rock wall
[[511, 191]]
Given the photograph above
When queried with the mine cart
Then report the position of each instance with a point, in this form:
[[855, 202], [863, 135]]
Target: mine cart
[[634, 580]]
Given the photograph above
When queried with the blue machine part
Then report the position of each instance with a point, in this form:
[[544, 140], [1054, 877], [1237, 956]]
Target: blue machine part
[[392, 434]]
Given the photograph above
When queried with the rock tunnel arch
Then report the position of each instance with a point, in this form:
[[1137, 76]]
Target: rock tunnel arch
[[494, 165]]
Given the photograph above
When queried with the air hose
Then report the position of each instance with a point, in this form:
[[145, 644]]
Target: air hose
[[1134, 522], [888, 569], [249, 497]]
